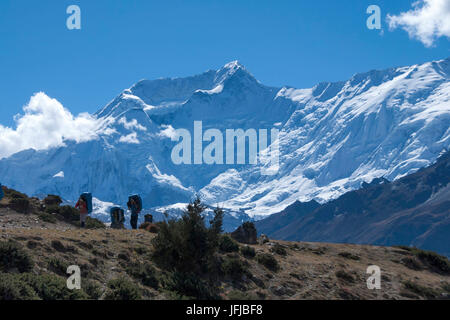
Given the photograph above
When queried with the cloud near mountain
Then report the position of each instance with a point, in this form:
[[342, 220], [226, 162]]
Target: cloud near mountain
[[47, 124], [426, 21]]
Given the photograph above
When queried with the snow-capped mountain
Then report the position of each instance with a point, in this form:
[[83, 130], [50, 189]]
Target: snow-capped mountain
[[332, 137]]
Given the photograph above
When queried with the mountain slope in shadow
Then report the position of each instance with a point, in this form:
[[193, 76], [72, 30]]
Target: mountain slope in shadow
[[413, 210]]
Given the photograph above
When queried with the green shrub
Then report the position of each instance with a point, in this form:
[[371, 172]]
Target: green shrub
[[431, 259], [189, 286], [341, 274], [51, 287], [425, 292], [14, 194], [411, 263], [187, 249], [52, 209], [141, 250], [248, 252], [239, 295], [58, 266], [13, 288], [69, 213], [234, 268], [434, 260], [227, 244], [13, 256], [47, 217], [122, 289], [93, 290], [279, 249], [268, 260], [93, 223], [145, 273], [349, 255], [187, 245]]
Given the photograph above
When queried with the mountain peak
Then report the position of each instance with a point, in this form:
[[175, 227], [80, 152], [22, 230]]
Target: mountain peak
[[233, 65]]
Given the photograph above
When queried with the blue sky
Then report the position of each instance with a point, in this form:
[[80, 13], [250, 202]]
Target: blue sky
[[297, 43]]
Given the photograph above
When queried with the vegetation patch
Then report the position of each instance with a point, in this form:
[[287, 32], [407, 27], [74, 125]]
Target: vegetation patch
[[145, 273], [14, 257], [422, 291], [248, 252], [349, 255], [279, 249], [343, 275], [188, 250], [58, 266], [122, 289], [227, 244], [268, 261], [234, 268], [434, 261]]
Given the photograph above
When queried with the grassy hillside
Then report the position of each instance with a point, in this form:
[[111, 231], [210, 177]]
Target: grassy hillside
[[37, 246]]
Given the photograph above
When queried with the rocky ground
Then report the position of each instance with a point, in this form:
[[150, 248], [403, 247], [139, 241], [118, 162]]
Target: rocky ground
[[301, 271]]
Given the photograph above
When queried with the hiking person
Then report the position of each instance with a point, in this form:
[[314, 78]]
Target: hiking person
[[82, 206], [135, 206]]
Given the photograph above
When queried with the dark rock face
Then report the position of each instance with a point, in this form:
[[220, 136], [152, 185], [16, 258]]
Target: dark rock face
[[413, 210], [246, 233], [148, 218]]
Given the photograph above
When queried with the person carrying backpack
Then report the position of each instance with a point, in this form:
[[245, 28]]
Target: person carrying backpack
[[82, 206], [135, 206]]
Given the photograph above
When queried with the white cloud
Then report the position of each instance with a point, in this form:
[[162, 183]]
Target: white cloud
[[133, 124], [426, 21], [168, 132], [46, 124], [131, 138]]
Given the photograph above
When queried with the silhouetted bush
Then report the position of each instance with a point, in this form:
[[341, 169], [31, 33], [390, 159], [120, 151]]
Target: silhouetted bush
[[227, 244], [248, 252], [187, 247]]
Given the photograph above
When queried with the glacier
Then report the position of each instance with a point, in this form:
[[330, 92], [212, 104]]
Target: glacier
[[332, 138]]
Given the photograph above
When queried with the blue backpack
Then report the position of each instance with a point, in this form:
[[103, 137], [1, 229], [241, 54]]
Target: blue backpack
[[1, 192], [87, 197], [137, 199], [120, 217]]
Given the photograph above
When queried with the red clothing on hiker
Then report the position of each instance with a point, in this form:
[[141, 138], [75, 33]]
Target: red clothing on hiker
[[81, 205]]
